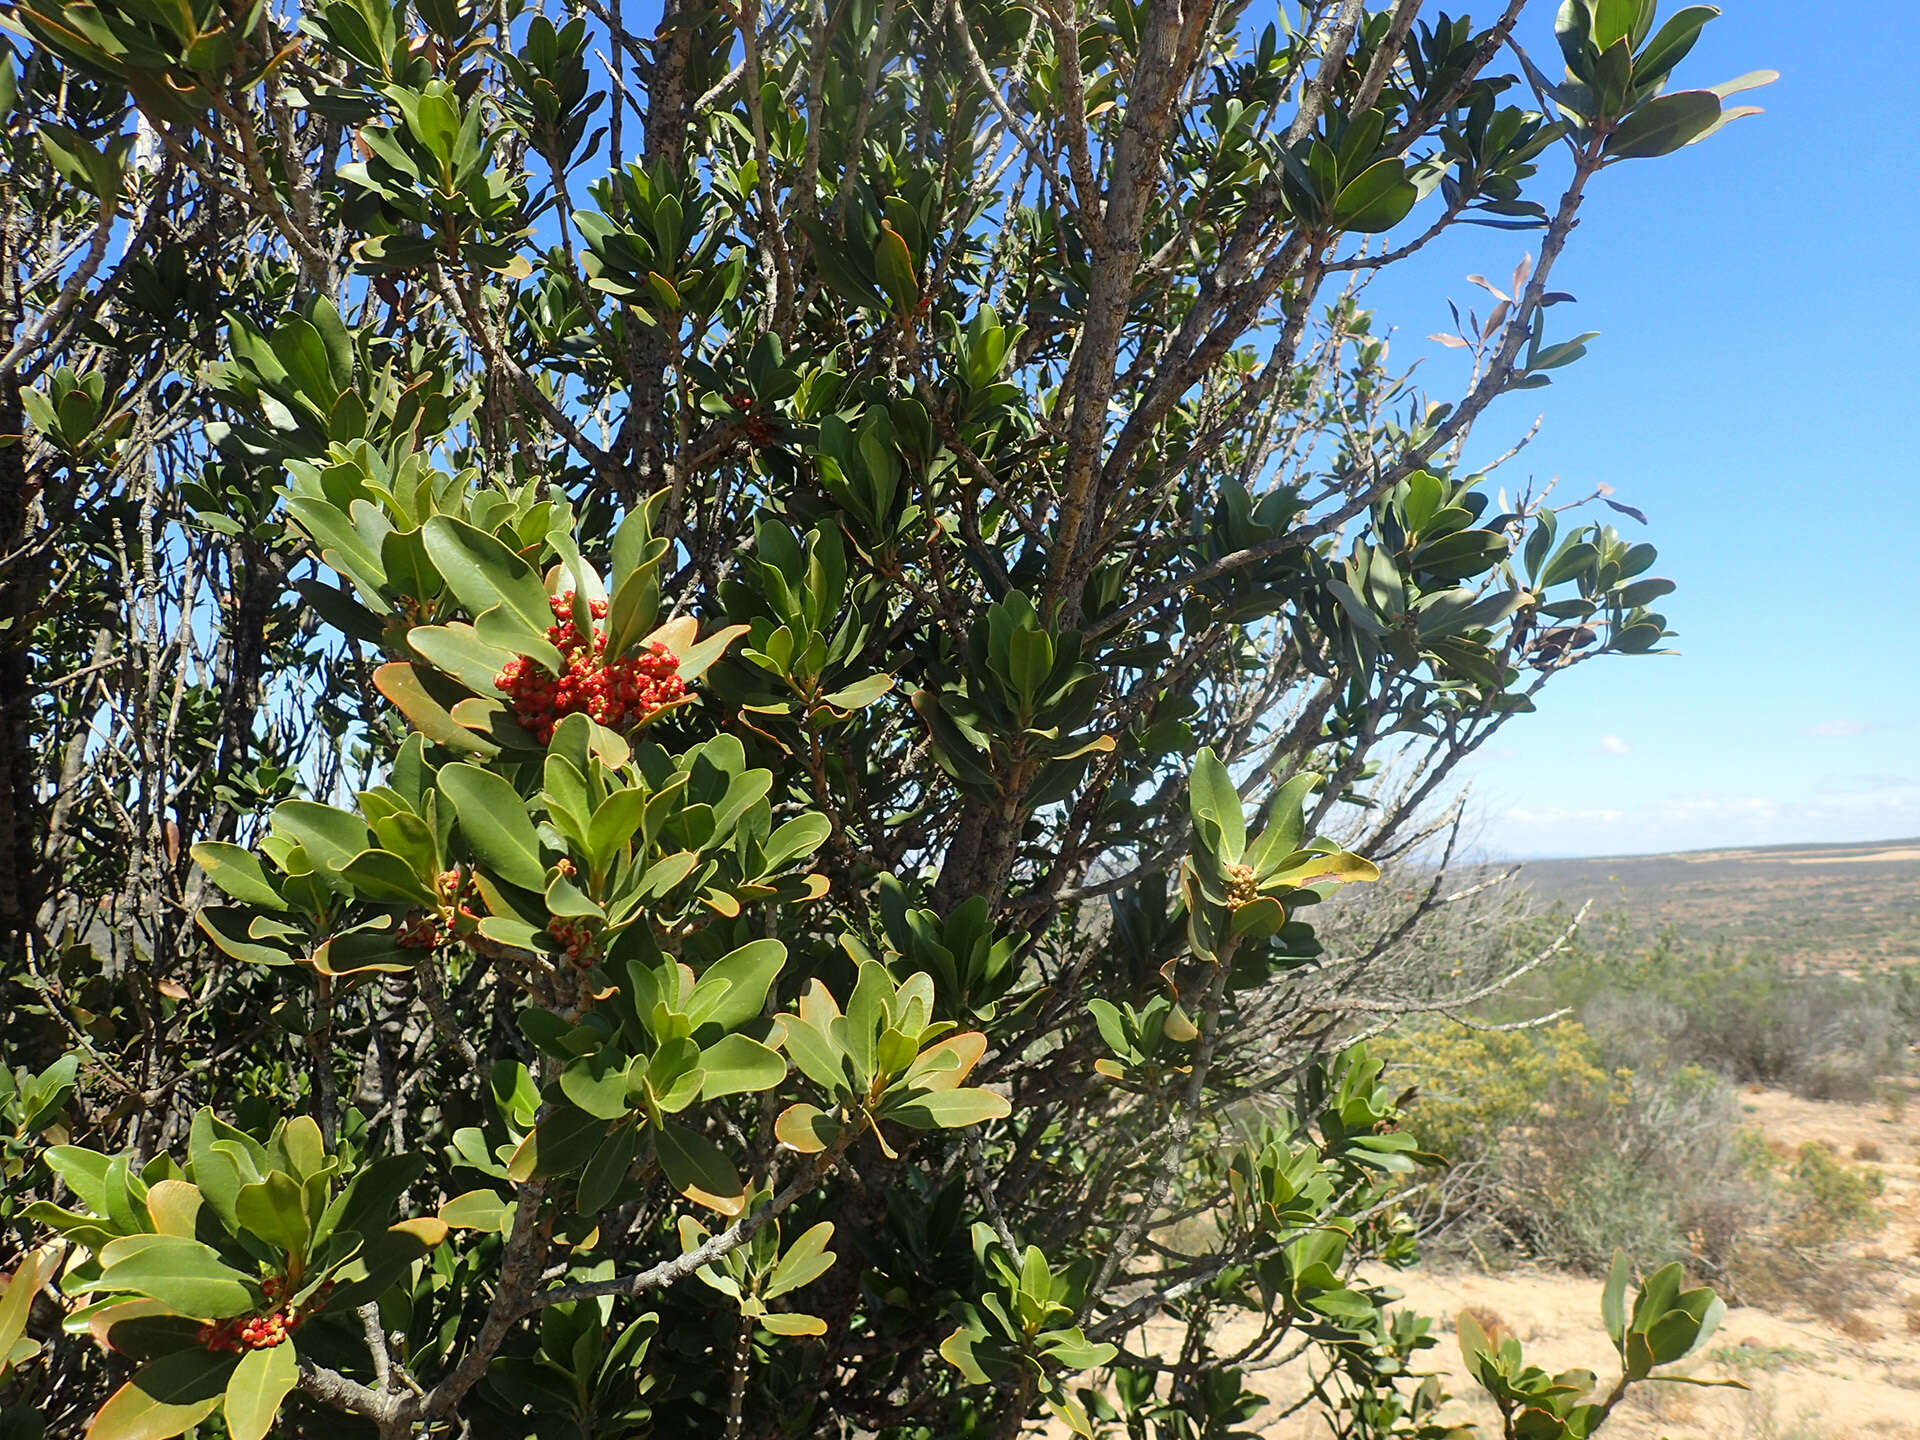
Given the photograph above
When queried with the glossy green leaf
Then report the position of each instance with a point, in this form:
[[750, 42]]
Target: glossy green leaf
[[805, 1261], [238, 872], [1375, 200], [949, 1109], [183, 1274], [733, 990], [484, 573], [494, 821], [274, 1210], [166, 1397], [1663, 125], [737, 1065], [259, 1383], [699, 1169], [1214, 798]]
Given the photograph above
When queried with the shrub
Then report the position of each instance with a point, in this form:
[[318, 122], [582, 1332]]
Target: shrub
[[1824, 1036], [673, 706], [1561, 1161], [1826, 1200]]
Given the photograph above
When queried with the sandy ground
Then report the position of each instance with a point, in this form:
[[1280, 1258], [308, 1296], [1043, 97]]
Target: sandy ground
[[1852, 1377]]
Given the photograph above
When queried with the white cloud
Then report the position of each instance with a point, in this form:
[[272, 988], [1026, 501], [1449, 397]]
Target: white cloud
[[1866, 807], [1842, 729], [1612, 745]]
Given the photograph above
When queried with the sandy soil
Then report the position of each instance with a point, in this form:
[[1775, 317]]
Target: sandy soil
[[1881, 857], [1850, 1377]]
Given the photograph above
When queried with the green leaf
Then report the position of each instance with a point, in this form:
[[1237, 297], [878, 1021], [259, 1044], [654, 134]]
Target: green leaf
[[1573, 557], [166, 1397], [237, 872], [74, 156], [1663, 125], [272, 1209], [482, 1210], [733, 989], [182, 1274], [1072, 1350], [802, 835], [563, 1142], [1613, 20], [737, 1065], [428, 714], [1259, 918], [1286, 824], [331, 837], [1670, 43], [28, 1277], [493, 818], [893, 268], [699, 1169], [793, 1324], [614, 824], [805, 1261], [342, 547], [601, 1179], [1672, 1336], [1613, 1309], [597, 1083], [860, 694], [806, 1128], [461, 652], [382, 875], [958, 1351], [1213, 797], [259, 1383], [384, 1258], [948, 1109], [482, 572], [1375, 200]]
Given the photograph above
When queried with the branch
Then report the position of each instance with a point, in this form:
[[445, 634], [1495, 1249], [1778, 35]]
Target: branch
[[728, 1240]]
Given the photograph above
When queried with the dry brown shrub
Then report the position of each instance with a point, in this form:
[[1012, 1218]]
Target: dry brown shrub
[[1661, 1402], [1868, 1150], [1913, 1315], [1857, 1327]]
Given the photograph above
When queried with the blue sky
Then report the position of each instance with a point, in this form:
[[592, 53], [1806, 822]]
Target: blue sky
[[1760, 338], [1760, 341]]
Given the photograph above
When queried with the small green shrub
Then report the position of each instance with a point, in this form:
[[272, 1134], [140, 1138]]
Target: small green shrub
[[1749, 1017], [1562, 1159], [1827, 1201]]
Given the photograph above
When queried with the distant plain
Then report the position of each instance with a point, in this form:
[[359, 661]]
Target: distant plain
[[1827, 907]]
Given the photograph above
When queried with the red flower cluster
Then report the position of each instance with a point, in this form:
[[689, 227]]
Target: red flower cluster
[[575, 936], [617, 693], [261, 1332], [757, 430], [427, 930]]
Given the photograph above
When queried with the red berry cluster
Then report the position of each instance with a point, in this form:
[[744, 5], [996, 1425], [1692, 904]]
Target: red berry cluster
[[576, 937], [757, 430], [617, 693], [262, 1332], [427, 931]]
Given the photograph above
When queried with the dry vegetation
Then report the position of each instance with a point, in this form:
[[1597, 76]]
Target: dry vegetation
[[1723, 1091], [1744, 1109]]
